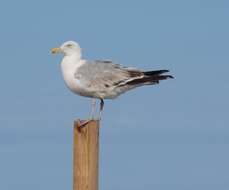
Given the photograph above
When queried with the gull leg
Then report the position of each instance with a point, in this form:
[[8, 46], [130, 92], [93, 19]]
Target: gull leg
[[83, 123], [93, 106], [101, 108]]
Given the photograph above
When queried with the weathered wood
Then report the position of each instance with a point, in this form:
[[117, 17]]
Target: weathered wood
[[86, 156]]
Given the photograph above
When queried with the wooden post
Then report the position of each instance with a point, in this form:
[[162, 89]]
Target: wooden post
[[86, 156]]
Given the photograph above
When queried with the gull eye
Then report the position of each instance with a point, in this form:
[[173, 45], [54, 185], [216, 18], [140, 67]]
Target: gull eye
[[69, 45]]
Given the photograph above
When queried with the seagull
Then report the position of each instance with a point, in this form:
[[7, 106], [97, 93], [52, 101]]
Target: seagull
[[101, 79]]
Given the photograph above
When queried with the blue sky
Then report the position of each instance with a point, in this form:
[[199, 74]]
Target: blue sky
[[171, 136]]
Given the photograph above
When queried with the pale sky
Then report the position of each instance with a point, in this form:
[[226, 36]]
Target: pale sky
[[171, 136]]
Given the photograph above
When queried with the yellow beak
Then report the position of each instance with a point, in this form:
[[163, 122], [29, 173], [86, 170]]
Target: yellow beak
[[55, 50]]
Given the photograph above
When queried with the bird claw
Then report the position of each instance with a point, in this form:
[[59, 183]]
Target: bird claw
[[82, 123]]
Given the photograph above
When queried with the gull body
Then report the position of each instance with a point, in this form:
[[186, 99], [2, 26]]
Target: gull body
[[101, 79], [69, 66]]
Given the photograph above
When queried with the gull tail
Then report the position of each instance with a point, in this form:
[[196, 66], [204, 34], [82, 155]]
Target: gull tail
[[151, 77]]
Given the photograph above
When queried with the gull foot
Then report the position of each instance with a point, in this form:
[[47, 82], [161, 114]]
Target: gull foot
[[82, 123]]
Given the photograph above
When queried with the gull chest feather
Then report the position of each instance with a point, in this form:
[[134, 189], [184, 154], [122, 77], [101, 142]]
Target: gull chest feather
[[69, 66]]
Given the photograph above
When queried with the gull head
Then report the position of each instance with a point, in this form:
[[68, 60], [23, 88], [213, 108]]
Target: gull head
[[68, 48]]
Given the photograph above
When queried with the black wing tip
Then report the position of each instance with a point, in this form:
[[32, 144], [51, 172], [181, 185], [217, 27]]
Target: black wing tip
[[164, 71], [168, 76], [164, 77], [171, 77], [156, 72]]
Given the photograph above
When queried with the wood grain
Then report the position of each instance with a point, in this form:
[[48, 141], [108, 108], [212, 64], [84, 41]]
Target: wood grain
[[86, 156]]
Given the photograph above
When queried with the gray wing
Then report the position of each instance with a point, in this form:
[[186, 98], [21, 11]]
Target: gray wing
[[99, 75]]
